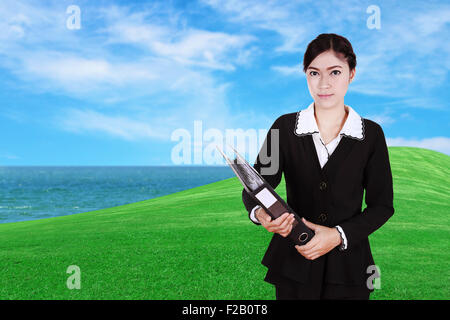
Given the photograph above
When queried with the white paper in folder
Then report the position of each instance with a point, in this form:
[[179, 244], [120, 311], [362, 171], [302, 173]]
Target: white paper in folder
[[266, 198]]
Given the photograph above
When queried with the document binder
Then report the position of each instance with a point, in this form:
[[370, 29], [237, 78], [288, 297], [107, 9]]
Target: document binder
[[266, 197]]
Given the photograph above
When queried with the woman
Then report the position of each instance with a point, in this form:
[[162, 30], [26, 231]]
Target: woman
[[329, 155]]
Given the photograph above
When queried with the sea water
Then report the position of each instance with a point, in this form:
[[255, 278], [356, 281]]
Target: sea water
[[28, 193]]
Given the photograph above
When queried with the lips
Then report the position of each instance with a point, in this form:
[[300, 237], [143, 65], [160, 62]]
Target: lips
[[324, 96]]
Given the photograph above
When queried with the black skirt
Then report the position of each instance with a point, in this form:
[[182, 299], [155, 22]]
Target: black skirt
[[315, 288]]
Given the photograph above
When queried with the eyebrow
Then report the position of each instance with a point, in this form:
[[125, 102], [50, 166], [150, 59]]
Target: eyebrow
[[327, 68]]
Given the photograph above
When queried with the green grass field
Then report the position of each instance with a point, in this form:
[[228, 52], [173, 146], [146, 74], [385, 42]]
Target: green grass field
[[199, 244]]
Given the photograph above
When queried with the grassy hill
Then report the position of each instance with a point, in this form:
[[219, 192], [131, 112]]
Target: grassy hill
[[199, 244]]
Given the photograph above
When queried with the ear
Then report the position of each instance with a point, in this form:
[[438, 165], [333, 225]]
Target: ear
[[352, 75]]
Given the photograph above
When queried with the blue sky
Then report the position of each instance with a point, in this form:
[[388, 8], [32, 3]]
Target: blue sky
[[114, 91]]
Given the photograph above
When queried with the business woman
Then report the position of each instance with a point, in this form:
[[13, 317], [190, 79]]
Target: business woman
[[329, 155]]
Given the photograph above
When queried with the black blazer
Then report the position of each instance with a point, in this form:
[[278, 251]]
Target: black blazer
[[330, 196]]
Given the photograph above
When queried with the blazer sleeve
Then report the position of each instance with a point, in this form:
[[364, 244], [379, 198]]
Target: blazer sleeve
[[379, 195], [269, 157]]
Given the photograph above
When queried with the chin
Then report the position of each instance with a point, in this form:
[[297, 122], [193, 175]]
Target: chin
[[327, 102]]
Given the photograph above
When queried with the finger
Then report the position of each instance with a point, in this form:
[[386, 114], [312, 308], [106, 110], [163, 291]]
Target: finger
[[310, 225], [310, 255], [311, 244], [285, 225], [285, 216], [315, 256], [301, 250], [290, 219], [289, 230], [285, 228], [313, 251], [285, 232], [266, 224], [271, 227], [306, 256], [278, 221], [268, 227]]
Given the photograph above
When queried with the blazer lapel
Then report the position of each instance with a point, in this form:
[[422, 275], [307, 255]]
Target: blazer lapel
[[313, 151], [339, 155]]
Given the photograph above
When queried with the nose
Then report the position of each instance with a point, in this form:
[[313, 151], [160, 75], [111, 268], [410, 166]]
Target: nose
[[324, 82]]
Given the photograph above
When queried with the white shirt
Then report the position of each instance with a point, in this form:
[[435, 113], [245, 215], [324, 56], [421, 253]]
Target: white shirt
[[306, 124]]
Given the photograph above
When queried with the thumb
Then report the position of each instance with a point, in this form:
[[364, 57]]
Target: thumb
[[310, 225]]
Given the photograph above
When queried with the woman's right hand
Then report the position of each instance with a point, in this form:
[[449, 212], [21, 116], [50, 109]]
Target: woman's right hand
[[281, 225]]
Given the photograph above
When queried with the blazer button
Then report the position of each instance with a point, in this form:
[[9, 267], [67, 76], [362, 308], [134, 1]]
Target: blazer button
[[323, 217], [322, 185]]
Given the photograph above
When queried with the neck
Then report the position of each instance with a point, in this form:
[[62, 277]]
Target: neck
[[330, 118]]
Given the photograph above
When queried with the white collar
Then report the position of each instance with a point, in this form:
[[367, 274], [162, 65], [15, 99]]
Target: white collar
[[352, 128]]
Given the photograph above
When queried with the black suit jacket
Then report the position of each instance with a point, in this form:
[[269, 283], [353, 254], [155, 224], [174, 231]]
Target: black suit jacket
[[330, 196]]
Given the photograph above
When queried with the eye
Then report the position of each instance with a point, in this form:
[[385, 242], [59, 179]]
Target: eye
[[336, 71], [311, 73]]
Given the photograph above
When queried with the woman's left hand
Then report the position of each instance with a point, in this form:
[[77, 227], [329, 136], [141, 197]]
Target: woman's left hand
[[324, 240]]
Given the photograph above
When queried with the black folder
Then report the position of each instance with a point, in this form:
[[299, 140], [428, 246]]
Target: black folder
[[255, 185]]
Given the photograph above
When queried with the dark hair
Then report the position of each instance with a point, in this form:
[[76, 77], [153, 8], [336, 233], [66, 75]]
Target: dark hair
[[325, 42]]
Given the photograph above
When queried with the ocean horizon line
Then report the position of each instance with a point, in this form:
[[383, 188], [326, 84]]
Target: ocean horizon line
[[114, 166]]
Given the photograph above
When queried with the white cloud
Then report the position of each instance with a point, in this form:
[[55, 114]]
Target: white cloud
[[9, 156], [398, 60], [80, 76], [421, 102], [82, 121], [23, 23], [381, 119], [89, 62], [280, 17], [441, 144], [431, 22], [296, 70], [187, 45], [170, 68], [174, 65]]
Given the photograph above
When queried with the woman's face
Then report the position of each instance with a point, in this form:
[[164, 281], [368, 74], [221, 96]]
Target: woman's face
[[328, 77]]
